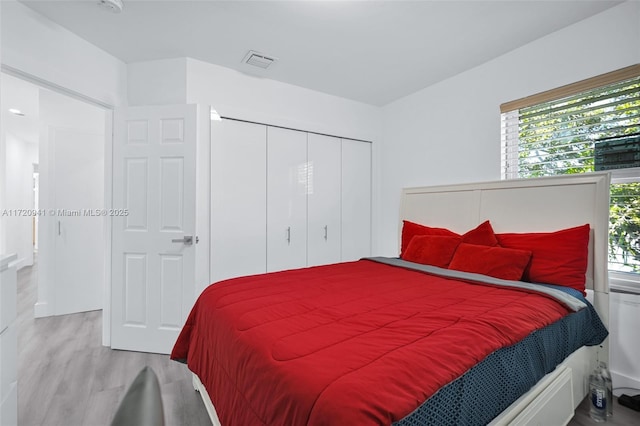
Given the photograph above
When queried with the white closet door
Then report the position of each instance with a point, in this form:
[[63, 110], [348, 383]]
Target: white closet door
[[356, 199], [79, 255], [287, 170], [238, 199], [323, 200]]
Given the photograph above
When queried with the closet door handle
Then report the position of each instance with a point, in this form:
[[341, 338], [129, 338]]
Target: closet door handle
[[288, 235], [59, 232], [326, 232]]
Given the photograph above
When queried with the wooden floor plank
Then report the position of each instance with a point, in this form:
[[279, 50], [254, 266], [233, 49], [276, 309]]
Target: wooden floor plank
[[622, 416], [66, 377], [101, 405]]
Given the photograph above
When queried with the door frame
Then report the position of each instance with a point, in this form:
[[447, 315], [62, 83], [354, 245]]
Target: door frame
[[108, 204]]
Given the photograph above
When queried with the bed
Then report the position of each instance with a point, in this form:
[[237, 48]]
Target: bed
[[395, 341]]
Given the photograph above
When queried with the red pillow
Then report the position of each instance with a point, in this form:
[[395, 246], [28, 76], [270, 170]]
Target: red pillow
[[559, 257], [498, 262], [482, 235], [411, 229], [436, 250]]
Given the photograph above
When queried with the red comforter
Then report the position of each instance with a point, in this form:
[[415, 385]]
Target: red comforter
[[346, 344]]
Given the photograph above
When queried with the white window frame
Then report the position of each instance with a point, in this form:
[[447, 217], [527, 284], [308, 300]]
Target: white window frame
[[627, 282]]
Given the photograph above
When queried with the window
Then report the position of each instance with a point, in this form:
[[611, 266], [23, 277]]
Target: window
[[587, 126]]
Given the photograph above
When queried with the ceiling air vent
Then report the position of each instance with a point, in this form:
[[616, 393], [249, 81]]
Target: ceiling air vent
[[259, 60]]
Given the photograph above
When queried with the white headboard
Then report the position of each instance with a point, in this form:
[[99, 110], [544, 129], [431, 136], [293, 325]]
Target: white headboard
[[522, 205]]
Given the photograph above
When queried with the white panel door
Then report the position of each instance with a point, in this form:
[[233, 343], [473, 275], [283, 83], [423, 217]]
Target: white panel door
[[78, 159], [323, 200], [356, 199], [238, 199], [153, 257], [287, 171]]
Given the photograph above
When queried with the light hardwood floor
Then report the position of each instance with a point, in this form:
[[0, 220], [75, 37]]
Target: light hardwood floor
[[622, 416], [66, 377]]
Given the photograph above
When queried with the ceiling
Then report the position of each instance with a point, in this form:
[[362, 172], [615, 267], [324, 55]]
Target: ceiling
[[369, 51]]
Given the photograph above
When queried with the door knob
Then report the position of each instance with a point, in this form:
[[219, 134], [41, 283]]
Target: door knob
[[187, 240]]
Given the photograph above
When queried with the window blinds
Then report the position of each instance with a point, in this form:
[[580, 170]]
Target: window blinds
[[559, 136]]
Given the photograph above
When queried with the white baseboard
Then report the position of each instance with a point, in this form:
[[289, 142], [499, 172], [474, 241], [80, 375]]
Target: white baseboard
[[21, 263], [41, 310], [106, 331], [621, 381], [24, 262]]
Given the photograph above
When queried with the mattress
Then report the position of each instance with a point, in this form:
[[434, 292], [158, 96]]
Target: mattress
[[377, 342]]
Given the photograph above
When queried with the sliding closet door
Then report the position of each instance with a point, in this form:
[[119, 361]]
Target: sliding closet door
[[287, 171], [356, 199], [238, 199], [323, 200]]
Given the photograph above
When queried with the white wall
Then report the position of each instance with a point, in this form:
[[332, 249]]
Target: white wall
[[40, 48], [19, 137], [238, 95], [20, 156], [161, 82], [624, 322], [3, 150], [450, 132]]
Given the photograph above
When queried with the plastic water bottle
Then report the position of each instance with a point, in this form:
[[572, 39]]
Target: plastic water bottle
[[606, 375], [598, 393]]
